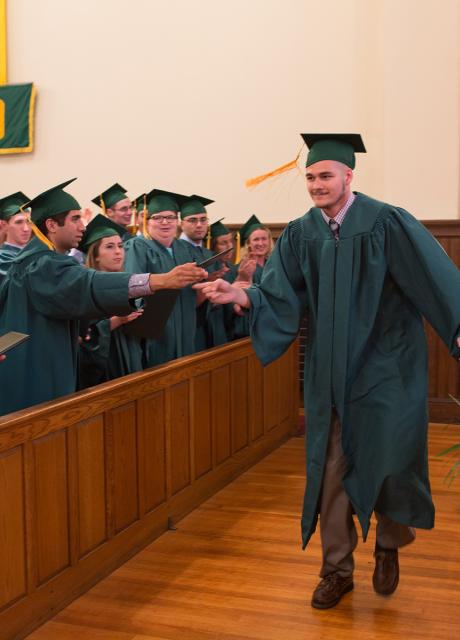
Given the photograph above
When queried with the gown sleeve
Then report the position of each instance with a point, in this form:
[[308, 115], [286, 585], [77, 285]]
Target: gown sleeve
[[72, 292], [425, 273], [279, 301]]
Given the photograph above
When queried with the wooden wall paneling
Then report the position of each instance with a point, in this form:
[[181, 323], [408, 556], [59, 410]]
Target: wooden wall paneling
[[221, 414], [31, 520], [271, 395], [179, 452], [256, 404], [121, 422], [152, 451], [72, 494], [51, 500], [285, 371], [202, 429], [111, 434], [13, 563], [239, 404], [91, 484]]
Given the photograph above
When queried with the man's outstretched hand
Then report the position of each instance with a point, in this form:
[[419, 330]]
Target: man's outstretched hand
[[222, 292]]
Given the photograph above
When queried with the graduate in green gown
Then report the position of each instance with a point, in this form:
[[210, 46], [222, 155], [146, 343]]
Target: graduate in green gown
[[256, 247], [210, 322], [107, 352], [366, 273], [221, 239], [116, 205], [46, 292], [18, 230], [159, 251]]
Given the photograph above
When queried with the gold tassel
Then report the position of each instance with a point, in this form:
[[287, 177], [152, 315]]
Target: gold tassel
[[41, 236], [208, 238], [145, 233], [133, 226], [238, 248], [36, 230], [253, 182], [102, 203]]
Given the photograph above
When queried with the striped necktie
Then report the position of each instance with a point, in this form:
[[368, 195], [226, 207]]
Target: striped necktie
[[334, 227]]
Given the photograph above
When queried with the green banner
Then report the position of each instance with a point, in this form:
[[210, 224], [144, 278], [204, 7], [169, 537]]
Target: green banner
[[16, 117]]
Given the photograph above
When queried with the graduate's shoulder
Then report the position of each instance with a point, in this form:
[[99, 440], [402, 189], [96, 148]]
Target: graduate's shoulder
[[379, 210], [137, 242], [307, 226], [37, 255]]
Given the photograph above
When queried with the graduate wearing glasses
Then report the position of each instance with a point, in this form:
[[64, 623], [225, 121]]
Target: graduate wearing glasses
[[159, 251]]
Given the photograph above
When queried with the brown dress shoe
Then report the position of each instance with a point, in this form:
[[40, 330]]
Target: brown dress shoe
[[330, 590], [386, 572]]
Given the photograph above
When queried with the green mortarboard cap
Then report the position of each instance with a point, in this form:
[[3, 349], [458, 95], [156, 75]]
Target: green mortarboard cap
[[159, 200], [249, 226], [11, 205], [333, 146], [110, 196], [99, 227], [218, 229], [194, 205], [52, 202]]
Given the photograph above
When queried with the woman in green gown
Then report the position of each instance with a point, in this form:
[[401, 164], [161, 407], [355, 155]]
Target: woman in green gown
[[106, 350], [257, 246]]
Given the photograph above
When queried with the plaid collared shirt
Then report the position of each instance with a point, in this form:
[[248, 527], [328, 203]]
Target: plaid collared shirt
[[339, 218]]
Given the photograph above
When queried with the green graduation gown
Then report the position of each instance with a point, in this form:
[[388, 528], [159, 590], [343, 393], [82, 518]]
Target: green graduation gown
[[8, 252], [239, 325], [210, 321], [44, 295], [108, 355], [178, 339], [366, 354]]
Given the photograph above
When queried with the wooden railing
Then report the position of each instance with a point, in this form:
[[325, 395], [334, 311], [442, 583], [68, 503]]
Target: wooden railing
[[88, 480]]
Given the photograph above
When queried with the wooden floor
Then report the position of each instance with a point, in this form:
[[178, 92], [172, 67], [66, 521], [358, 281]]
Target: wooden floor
[[234, 570]]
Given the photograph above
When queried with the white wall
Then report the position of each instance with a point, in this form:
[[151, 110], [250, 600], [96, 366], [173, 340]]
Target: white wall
[[196, 96]]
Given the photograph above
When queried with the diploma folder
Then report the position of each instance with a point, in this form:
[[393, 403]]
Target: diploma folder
[[157, 309], [11, 339], [213, 258]]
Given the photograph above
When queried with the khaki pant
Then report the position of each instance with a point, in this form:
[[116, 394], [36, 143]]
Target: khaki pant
[[337, 528]]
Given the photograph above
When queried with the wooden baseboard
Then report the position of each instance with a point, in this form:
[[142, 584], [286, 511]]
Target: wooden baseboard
[[444, 411]]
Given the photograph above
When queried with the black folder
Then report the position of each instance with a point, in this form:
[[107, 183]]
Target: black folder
[[157, 309]]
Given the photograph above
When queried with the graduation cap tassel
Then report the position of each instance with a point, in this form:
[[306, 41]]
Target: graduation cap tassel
[[133, 225], [238, 248], [253, 182], [145, 233], [102, 203], [41, 236], [208, 238]]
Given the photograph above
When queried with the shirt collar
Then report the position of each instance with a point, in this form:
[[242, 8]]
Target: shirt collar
[[183, 236], [339, 218]]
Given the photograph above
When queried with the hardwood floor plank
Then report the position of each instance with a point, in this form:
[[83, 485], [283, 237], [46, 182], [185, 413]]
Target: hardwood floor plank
[[234, 570]]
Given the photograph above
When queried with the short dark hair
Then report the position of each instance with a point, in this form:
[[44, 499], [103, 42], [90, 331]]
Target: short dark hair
[[60, 219]]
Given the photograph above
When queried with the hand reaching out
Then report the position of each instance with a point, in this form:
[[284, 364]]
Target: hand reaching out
[[222, 292], [179, 277], [117, 321]]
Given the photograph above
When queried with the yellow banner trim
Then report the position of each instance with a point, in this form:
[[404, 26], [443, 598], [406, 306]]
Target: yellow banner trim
[[3, 52], [30, 146]]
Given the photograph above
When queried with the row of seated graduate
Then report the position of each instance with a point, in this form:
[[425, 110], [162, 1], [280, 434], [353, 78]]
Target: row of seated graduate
[[46, 260]]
